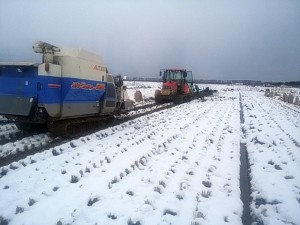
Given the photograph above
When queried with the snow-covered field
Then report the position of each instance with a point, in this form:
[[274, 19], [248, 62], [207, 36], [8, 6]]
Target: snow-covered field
[[180, 165]]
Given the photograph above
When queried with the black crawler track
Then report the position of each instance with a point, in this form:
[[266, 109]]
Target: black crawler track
[[69, 128], [4, 161]]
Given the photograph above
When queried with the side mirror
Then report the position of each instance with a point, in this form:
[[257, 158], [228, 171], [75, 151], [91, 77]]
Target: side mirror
[[160, 73]]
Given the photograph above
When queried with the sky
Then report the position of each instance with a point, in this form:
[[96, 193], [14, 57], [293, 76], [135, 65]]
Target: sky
[[216, 39]]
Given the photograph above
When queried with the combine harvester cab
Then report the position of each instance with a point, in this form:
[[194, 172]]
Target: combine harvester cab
[[70, 86]]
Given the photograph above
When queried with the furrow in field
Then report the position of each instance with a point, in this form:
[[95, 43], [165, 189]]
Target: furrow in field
[[17, 145], [25, 144], [287, 120], [154, 175], [268, 119], [220, 181], [137, 196], [274, 162], [69, 171], [8, 132], [289, 107]]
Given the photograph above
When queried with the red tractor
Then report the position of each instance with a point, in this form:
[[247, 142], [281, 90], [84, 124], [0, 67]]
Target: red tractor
[[177, 86]]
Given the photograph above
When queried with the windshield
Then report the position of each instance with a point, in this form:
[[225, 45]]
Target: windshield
[[178, 76]]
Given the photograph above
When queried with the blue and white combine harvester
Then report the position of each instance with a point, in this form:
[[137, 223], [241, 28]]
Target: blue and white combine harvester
[[69, 90]]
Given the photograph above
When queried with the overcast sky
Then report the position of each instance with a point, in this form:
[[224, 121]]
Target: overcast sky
[[216, 39]]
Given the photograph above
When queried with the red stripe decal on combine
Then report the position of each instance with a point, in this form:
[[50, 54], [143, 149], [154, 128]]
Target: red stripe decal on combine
[[54, 85], [85, 86]]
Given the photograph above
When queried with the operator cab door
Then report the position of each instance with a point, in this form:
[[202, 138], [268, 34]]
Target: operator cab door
[[189, 77], [189, 80], [50, 88]]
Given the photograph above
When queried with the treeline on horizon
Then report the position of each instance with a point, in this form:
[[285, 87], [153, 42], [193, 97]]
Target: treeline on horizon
[[289, 83], [245, 82]]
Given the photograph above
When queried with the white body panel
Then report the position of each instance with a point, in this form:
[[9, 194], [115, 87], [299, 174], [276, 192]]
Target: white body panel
[[54, 70], [82, 69], [79, 63]]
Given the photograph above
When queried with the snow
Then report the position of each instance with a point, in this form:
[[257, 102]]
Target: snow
[[272, 139], [25, 144], [180, 165]]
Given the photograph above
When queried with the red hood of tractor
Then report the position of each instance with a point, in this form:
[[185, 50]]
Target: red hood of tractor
[[171, 85]]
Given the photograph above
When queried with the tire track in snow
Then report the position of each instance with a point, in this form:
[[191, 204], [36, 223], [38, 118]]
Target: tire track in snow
[[244, 172]]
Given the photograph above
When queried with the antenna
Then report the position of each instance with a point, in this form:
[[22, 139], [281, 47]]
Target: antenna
[[46, 49]]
